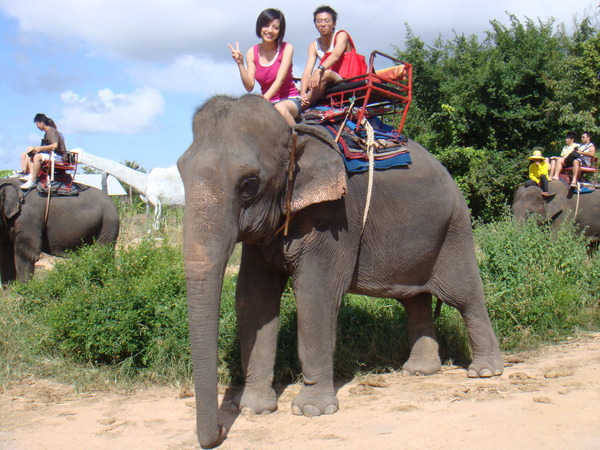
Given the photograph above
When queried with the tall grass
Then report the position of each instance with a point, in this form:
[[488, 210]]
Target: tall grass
[[103, 318], [540, 286]]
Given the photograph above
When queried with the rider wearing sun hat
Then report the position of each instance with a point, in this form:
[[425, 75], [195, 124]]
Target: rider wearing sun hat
[[539, 169]]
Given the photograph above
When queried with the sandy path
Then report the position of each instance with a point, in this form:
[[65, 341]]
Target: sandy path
[[545, 399]]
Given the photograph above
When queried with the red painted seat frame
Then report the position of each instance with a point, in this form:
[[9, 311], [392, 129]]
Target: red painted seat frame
[[373, 94]]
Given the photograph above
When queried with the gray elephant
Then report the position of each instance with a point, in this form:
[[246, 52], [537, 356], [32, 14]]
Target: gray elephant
[[529, 199], [72, 221], [416, 242]]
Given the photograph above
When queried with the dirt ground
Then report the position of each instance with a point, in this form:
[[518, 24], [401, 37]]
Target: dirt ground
[[545, 399]]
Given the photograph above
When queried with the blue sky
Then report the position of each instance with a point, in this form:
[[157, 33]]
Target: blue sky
[[122, 78]]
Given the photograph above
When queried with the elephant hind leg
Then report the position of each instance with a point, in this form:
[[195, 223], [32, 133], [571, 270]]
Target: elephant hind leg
[[424, 349], [458, 284], [487, 359]]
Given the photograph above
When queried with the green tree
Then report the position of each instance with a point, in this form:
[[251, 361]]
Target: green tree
[[492, 100]]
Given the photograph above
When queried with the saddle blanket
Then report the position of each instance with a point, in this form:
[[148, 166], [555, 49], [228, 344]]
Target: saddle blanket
[[390, 147], [388, 153]]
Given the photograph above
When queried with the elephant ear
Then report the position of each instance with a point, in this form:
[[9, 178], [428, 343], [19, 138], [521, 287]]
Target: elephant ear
[[11, 198], [553, 206], [320, 173]]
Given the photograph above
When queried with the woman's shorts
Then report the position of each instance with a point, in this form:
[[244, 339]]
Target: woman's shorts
[[296, 101], [46, 157]]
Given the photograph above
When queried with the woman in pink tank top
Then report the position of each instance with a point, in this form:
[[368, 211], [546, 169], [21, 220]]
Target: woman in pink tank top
[[270, 63]]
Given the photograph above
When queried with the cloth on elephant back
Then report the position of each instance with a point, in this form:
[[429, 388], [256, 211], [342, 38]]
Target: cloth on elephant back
[[390, 148], [61, 188]]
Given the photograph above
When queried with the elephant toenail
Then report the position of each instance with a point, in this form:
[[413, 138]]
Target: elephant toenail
[[485, 373], [311, 411], [296, 410], [330, 409]]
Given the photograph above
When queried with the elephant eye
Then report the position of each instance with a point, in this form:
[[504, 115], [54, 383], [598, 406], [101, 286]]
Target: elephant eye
[[249, 189]]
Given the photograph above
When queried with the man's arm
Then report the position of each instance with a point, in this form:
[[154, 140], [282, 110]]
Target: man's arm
[[341, 44], [308, 70]]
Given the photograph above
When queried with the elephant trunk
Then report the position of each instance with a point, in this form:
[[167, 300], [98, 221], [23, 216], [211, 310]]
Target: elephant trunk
[[205, 261]]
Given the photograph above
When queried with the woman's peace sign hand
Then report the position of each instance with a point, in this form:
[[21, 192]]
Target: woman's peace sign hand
[[236, 54]]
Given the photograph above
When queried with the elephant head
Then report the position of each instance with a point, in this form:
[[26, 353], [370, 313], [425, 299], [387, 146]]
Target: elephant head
[[235, 175], [528, 199]]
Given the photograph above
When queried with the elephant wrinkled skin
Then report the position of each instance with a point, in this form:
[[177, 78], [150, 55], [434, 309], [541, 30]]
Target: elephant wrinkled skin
[[417, 242], [529, 199], [72, 221]]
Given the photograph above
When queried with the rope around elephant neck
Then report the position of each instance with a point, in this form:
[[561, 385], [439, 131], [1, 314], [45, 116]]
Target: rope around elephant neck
[[370, 148], [577, 203]]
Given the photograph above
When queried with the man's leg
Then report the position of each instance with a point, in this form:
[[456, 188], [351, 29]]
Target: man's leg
[[575, 172], [329, 77], [544, 183], [35, 169]]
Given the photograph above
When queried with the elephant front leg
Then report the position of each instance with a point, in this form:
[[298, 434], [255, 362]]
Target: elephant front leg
[[317, 319], [25, 257], [7, 260], [258, 298], [424, 350]]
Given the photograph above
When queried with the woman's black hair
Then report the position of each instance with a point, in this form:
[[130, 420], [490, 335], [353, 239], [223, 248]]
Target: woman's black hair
[[45, 120], [40, 118], [268, 16]]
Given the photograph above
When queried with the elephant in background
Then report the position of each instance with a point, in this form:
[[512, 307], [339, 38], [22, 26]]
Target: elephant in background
[[529, 199], [416, 242], [72, 222]]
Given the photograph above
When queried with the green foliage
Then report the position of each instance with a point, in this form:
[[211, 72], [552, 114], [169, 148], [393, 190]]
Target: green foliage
[[90, 170], [518, 88], [105, 310], [126, 312], [486, 179], [539, 286], [522, 86]]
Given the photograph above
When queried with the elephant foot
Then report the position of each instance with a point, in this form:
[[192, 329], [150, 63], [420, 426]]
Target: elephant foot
[[255, 401], [424, 357], [486, 366], [420, 366], [310, 403]]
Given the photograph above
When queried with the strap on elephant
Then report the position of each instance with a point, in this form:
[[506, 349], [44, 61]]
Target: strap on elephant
[[290, 182]]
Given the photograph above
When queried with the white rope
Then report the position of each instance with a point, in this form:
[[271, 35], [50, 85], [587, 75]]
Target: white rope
[[577, 204], [370, 147]]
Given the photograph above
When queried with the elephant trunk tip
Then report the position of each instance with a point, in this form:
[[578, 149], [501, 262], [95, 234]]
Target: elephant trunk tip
[[212, 439]]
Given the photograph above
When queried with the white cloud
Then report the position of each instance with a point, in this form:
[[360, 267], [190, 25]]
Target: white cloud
[[108, 112], [138, 29], [190, 74], [161, 30]]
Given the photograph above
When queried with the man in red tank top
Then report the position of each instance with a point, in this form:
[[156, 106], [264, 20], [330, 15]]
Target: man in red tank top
[[315, 80]]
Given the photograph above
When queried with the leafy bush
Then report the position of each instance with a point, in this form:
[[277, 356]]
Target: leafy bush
[[539, 286], [101, 309], [486, 179]]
